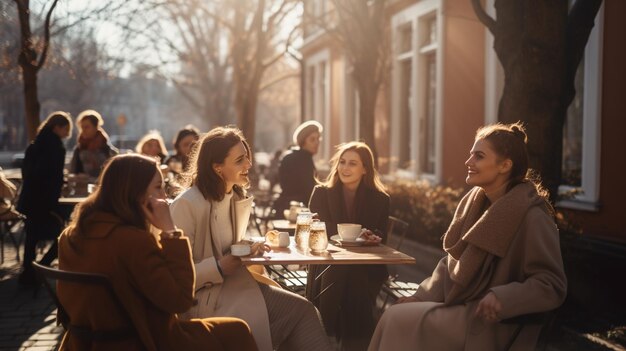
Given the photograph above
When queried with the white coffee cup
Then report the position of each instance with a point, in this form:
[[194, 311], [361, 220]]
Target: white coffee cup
[[283, 239], [349, 231]]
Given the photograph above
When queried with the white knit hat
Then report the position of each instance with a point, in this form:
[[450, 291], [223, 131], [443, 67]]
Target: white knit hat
[[305, 129]]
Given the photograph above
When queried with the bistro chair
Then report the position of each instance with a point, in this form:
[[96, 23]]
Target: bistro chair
[[394, 288], [11, 221], [87, 332], [543, 319]]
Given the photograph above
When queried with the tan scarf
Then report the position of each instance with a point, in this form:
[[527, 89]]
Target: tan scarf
[[473, 234], [96, 143]]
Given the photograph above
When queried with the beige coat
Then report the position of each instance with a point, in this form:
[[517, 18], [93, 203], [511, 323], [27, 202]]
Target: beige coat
[[238, 295], [511, 249]]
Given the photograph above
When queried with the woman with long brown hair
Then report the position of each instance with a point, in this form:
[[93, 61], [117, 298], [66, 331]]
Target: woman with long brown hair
[[152, 275], [214, 213], [345, 295], [503, 259]]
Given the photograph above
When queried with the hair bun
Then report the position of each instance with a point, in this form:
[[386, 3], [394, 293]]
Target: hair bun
[[519, 131]]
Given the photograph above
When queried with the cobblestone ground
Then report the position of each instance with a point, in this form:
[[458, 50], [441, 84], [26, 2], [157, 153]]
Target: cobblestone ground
[[27, 316]]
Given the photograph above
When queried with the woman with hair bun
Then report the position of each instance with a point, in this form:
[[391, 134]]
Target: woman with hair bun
[[503, 259]]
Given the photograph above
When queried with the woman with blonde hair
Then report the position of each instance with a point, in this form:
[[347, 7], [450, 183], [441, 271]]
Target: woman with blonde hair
[[152, 276], [503, 259], [93, 147], [152, 145], [214, 213], [352, 193]]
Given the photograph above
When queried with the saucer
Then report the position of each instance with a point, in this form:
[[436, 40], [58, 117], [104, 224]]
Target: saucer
[[357, 242]]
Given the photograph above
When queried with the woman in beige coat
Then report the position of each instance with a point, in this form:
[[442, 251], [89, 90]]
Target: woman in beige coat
[[153, 278], [214, 214], [503, 260]]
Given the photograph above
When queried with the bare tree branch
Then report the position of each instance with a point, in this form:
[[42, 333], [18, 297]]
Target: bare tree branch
[[483, 17]]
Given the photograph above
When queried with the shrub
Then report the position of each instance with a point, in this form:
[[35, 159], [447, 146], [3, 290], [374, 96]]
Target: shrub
[[428, 209]]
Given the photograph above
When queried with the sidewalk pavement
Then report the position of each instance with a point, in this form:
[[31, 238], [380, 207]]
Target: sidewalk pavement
[[28, 317]]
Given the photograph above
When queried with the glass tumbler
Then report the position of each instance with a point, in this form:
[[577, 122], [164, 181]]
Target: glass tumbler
[[318, 239], [303, 227]]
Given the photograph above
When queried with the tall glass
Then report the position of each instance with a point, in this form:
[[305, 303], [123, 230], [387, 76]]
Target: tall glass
[[318, 239], [303, 227]]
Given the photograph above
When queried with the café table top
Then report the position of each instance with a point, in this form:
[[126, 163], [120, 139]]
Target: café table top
[[282, 224], [335, 254]]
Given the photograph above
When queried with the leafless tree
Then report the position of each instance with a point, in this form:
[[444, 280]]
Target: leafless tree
[[540, 45]]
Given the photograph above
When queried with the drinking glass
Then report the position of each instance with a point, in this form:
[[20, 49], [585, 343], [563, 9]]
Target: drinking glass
[[303, 227], [318, 239]]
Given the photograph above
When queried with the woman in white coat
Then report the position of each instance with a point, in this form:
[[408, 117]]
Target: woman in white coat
[[503, 260], [214, 214]]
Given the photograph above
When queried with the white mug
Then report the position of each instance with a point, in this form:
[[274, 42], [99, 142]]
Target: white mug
[[283, 239]]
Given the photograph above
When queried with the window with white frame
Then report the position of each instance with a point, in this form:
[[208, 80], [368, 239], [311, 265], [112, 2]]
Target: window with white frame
[[318, 94], [581, 132], [415, 130]]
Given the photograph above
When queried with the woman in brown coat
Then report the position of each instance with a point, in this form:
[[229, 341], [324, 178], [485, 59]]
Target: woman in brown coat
[[153, 278], [345, 295], [503, 260]]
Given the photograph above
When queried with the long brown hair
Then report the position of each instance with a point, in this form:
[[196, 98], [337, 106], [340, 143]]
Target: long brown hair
[[123, 185], [57, 118], [370, 179], [509, 142], [212, 149]]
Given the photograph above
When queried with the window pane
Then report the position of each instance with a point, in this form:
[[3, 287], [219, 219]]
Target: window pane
[[404, 156], [573, 134], [405, 34], [428, 140]]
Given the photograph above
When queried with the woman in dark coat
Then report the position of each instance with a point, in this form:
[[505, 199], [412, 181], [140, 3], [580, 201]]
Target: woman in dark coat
[[42, 174], [353, 193], [93, 147]]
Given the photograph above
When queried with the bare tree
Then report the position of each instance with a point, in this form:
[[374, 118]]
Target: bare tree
[[34, 52], [360, 26], [540, 45]]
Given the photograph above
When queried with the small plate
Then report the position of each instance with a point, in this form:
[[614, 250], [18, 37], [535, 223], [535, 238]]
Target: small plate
[[358, 242]]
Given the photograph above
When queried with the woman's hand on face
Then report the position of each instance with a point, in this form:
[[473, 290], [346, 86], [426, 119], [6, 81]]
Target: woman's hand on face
[[157, 212], [229, 264], [488, 308], [407, 299]]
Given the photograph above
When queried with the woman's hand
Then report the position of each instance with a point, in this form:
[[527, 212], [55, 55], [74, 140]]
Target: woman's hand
[[407, 299], [229, 264], [370, 238], [488, 308], [158, 213], [259, 249]]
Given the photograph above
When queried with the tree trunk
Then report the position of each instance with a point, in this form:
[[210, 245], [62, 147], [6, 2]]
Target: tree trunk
[[367, 107], [531, 47], [31, 100]]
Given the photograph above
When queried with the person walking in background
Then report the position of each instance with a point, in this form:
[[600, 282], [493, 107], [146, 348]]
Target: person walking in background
[[93, 147], [152, 145], [296, 172], [184, 142], [153, 278], [345, 295], [214, 213], [42, 176], [503, 259]]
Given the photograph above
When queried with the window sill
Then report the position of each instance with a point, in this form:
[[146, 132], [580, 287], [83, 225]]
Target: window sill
[[579, 205]]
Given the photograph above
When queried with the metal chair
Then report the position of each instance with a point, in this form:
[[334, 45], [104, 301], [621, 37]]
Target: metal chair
[[85, 332], [544, 319], [393, 288], [11, 222]]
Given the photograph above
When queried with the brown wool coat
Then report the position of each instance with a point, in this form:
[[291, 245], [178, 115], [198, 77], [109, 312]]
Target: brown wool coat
[[512, 249], [153, 281]]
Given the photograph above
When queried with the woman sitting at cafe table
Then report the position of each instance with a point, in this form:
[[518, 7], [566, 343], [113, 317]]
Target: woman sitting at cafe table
[[352, 193], [503, 259], [214, 213], [152, 275]]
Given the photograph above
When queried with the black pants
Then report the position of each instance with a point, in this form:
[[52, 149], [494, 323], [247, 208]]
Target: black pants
[[41, 227]]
